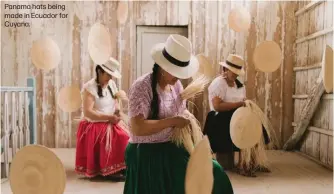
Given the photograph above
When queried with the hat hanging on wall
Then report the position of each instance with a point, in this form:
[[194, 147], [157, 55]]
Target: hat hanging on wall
[[327, 69], [267, 56], [205, 67], [199, 174], [45, 54], [122, 11], [239, 19], [99, 43], [69, 99], [35, 169], [245, 128]]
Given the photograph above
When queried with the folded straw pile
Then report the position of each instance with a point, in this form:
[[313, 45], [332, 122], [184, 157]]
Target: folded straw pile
[[256, 156], [121, 96]]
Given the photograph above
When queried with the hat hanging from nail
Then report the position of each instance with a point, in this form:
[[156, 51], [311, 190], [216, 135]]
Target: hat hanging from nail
[[99, 43], [69, 99], [239, 19], [205, 67], [267, 56], [35, 169], [45, 54], [327, 69]]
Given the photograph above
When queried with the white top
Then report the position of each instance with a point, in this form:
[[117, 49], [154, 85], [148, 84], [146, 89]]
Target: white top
[[219, 88], [105, 104]]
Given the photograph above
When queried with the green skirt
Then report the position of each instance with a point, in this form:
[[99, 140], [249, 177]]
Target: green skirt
[[160, 168]]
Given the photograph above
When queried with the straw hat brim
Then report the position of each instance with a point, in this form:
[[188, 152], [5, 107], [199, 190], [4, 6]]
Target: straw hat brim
[[36, 169], [245, 128], [267, 56], [69, 98], [99, 43], [205, 67], [239, 19], [240, 72], [179, 72], [199, 173], [116, 74], [327, 69]]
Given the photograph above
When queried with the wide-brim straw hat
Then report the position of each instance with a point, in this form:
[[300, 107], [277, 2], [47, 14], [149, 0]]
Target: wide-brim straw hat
[[267, 56], [239, 19], [327, 69], [235, 64], [35, 169], [245, 128], [175, 56], [99, 43], [199, 173], [69, 99], [45, 54], [112, 68], [205, 67]]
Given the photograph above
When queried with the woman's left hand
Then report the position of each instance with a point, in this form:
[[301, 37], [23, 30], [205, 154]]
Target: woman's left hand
[[117, 113]]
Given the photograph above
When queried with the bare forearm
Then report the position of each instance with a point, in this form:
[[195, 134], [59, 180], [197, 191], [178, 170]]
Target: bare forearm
[[93, 115], [150, 127], [227, 106]]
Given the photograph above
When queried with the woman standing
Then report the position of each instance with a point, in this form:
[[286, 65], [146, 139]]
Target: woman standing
[[154, 163], [101, 142], [226, 94]]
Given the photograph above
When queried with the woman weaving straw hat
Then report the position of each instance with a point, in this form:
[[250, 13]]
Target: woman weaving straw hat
[[101, 140], [226, 95], [154, 163]]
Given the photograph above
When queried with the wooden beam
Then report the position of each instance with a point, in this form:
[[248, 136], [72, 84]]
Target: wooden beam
[[306, 114], [303, 68], [314, 35], [308, 7], [304, 96], [317, 129], [300, 96]]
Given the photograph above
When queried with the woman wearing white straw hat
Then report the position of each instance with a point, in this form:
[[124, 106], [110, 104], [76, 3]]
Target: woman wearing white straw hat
[[101, 142], [226, 94], [154, 163]]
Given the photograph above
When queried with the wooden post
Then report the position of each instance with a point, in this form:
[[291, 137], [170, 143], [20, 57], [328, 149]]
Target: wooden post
[[7, 134], [13, 124], [32, 110], [306, 114]]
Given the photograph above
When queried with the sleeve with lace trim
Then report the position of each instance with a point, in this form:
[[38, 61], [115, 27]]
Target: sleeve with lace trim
[[217, 88], [91, 87], [140, 95]]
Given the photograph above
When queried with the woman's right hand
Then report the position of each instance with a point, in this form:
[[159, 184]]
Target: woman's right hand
[[180, 122], [114, 119]]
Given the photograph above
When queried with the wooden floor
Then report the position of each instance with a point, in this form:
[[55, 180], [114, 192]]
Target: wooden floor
[[291, 174]]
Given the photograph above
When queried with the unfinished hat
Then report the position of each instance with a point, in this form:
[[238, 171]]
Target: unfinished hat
[[205, 67], [69, 99], [99, 43], [245, 128], [267, 56], [35, 169], [199, 173], [45, 54], [122, 12], [239, 19], [327, 69]]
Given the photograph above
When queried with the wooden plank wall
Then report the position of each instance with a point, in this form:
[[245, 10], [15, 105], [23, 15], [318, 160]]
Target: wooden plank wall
[[318, 140], [208, 31]]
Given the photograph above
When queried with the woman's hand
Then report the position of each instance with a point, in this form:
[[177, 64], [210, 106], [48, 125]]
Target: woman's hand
[[114, 119], [180, 122], [117, 113]]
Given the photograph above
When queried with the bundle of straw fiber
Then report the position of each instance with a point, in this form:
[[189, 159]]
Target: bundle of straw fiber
[[121, 96], [256, 156], [190, 135]]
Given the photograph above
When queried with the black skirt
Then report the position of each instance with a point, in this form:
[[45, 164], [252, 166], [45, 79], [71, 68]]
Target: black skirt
[[217, 128]]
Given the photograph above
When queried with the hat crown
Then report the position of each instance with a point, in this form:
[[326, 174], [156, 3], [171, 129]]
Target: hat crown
[[112, 64], [236, 60], [179, 47]]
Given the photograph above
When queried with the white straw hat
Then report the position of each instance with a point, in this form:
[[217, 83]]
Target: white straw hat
[[45, 54], [37, 170], [239, 19], [69, 98], [111, 67], [199, 173], [327, 69], [99, 43], [245, 128], [205, 67], [175, 56], [234, 63], [267, 56]]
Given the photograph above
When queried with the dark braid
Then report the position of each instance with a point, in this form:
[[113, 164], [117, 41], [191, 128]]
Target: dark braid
[[99, 88], [155, 100]]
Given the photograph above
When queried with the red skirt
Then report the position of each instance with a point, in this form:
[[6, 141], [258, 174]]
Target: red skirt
[[100, 148]]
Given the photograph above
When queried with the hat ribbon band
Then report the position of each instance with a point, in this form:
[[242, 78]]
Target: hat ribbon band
[[108, 68], [233, 65], [173, 60]]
